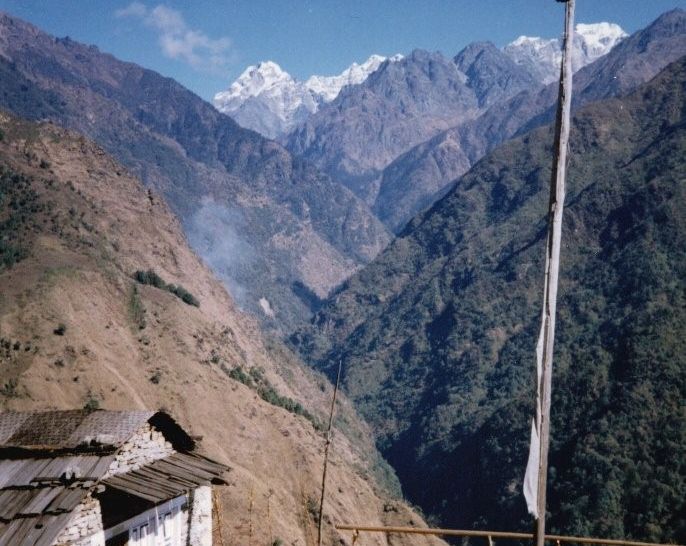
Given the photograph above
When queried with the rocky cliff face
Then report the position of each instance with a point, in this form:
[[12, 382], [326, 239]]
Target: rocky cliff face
[[425, 92], [271, 225], [400, 105], [418, 177], [439, 332], [76, 329], [491, 74]]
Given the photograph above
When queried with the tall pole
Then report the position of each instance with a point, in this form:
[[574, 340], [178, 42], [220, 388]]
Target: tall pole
[[326, 454], [552, 269]]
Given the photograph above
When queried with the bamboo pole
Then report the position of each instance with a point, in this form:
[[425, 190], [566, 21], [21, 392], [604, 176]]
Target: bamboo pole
[[552, 269], [326, 454], [492, 534]]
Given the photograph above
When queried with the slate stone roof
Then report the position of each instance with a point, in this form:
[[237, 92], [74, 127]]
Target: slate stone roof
[[69, 430]]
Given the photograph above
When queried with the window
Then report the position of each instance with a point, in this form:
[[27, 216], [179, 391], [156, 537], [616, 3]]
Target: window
[[142, 535], [168, 529], [159, 530]]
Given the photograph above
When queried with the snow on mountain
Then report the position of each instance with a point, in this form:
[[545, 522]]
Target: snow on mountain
[[329, 87], [269, 100], [542, 56]]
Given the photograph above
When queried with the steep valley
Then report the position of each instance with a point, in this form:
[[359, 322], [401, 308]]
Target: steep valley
[[78, 330], [156, 254]]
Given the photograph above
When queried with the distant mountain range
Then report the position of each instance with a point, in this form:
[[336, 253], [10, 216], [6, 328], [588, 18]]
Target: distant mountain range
[[403, 104], [269, 100], [418, 177]]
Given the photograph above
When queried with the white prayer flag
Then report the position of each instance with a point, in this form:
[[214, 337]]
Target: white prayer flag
[[532, 465]]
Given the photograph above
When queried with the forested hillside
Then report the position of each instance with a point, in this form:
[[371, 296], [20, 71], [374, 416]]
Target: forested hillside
[[438, 333]]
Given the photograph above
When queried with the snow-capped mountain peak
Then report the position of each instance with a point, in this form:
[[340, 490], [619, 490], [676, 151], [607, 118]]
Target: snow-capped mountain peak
[[598, 39], [254, 80], [269, 100], [542, 56]]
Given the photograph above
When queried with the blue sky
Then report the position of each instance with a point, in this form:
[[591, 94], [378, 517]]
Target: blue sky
[[206, 44]]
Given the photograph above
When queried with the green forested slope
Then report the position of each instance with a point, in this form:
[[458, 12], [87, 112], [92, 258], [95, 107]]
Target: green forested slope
[[438, 333]]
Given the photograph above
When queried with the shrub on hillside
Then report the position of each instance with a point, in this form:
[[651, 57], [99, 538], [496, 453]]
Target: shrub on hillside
[[186, 297], [255, 379], [151, 278], [137, 309]]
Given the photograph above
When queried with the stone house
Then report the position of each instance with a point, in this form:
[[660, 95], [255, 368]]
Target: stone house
[[103, 478]]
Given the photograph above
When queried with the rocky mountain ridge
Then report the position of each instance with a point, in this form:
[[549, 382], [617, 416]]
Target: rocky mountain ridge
[[401, 104], [270, 101], [405, 105], [421, 175]]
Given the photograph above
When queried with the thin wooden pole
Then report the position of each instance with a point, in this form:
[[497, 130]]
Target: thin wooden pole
[[556, 206], [218, 515], [326, 454], [252, 491]]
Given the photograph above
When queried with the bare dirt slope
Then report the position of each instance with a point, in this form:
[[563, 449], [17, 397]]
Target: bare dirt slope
[[76, 330], [270, 225]]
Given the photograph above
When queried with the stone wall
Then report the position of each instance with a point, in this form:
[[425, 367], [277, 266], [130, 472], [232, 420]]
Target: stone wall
[[144, 447], [199, 514], [85, 526]]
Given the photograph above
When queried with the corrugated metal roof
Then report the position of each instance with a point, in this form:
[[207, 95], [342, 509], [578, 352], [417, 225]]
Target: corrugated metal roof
[[69, 429], [169, 477], [38, 494], [36, 516]]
